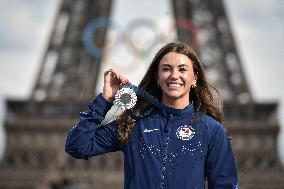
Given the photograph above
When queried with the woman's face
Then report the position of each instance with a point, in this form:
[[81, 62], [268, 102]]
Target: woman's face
[[175, 76]]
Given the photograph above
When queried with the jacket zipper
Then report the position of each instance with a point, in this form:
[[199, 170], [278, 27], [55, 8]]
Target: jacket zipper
[[163, 172]]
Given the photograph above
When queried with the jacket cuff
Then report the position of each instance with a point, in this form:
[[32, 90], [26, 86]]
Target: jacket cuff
[[100, 105]]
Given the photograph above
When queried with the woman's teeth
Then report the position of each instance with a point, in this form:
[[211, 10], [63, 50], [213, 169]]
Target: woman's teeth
[[174, 85]]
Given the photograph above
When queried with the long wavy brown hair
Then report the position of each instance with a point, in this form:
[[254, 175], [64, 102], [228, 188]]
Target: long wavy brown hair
[[205, 97]]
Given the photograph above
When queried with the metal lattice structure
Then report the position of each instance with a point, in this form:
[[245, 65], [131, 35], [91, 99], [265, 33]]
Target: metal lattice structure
[[215, 45], [67, 67], [37, 128], [253, 126]]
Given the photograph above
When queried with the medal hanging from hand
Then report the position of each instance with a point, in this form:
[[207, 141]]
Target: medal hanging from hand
[[125, 98]]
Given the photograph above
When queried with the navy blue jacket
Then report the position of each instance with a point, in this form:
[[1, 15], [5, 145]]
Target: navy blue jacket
[[166, 150]]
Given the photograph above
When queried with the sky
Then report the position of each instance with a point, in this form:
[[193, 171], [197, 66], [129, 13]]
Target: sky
[[258, 30]]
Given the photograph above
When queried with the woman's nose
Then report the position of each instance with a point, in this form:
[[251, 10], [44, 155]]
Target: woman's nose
[[175, 74]]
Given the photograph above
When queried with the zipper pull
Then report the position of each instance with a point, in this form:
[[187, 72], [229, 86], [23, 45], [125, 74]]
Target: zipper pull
[[168, 124]]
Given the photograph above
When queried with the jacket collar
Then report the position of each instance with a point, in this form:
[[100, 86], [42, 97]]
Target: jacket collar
[[167, 110], [185, 111]]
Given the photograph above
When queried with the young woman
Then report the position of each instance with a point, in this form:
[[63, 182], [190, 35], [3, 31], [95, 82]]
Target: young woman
[[180, 144]]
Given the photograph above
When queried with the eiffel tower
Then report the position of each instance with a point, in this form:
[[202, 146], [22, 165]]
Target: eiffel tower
[[37, 128], [254, 126]]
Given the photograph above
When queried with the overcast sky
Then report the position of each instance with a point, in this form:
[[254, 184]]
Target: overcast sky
[[258, 29]]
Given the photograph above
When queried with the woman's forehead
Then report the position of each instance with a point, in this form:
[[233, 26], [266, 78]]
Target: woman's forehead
[[175, 59]]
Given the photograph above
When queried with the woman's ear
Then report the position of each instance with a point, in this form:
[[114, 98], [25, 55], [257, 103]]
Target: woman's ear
[[195, 78]]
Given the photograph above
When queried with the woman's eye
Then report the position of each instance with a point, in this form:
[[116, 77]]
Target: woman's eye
[[182, 70], [166, 69]]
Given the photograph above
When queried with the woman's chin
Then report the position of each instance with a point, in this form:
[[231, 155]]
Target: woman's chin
[[174, 95]]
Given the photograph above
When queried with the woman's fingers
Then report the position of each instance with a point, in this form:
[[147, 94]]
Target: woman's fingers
[[121, 78], [112, 82], [115, 76]]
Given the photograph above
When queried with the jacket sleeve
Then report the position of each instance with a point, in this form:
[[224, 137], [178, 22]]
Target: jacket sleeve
[[220, 168], [88, 137]]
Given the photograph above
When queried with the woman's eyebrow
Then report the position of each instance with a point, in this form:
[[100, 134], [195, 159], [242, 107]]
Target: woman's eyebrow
[[182, 65], [168, 65]]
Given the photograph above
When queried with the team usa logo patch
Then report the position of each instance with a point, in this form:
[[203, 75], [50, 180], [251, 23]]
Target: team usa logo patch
[[185, 132]]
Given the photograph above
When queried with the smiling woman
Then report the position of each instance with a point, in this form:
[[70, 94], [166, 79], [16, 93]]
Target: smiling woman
[[178, 142], [176, 77]]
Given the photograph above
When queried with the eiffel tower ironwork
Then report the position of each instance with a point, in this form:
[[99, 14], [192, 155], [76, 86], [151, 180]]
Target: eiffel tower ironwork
[[37, 128], [254, 126]]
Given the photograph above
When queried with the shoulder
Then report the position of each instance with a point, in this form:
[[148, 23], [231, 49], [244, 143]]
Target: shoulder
[[214, 127], [210, 122]]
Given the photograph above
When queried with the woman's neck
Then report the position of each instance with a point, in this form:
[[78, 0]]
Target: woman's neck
[[176, 103]]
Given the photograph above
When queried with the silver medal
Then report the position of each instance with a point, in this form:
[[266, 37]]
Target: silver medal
[[125, 98]]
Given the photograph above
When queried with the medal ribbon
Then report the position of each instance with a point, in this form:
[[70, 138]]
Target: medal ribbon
[[147, 96]]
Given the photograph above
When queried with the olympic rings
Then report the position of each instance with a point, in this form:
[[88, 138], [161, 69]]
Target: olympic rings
[[128, 37], [133, 43], [90, 30]]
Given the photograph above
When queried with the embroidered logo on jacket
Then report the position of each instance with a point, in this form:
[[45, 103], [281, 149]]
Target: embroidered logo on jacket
[[185, 132], [150, 130]]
